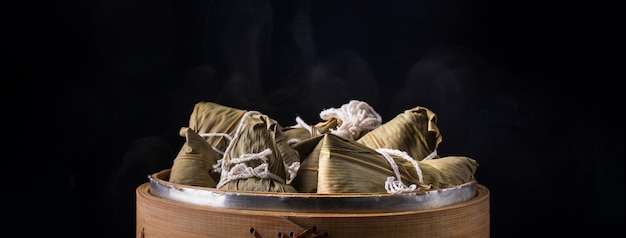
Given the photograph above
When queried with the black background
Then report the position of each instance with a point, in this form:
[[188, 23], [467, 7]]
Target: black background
[[96, 92]]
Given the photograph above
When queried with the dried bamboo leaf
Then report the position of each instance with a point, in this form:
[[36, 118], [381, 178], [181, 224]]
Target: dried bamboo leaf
[[326, 126], [309, 151], [346, 166], [290, 156], [413, 131], [448, 171], [208, 117], [294, 135], [216, 124], [194, 162]]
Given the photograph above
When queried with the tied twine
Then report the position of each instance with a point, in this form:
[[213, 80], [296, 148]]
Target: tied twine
[[239, 169], [395, 185], [292, 170], [301, 124], [355, 117], [218, 166]]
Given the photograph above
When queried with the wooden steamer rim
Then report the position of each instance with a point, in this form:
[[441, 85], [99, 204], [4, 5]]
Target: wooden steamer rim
[[163, 217]]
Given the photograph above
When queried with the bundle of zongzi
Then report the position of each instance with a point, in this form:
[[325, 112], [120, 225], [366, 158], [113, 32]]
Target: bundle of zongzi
[[350, 151]]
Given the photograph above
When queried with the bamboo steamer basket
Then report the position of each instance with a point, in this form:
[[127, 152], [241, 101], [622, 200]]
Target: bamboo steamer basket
[[164, 209]]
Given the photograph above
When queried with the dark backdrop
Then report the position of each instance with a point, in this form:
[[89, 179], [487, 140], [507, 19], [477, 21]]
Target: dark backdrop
[[97, 91]]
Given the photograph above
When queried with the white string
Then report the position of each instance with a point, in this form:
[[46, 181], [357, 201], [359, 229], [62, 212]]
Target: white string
[[355, 117], [217, 166], [292, 170], [239, 169], [405, 156], [208, 134], [301, 124], [236, 135], [432, 155], [395, 185], [293, 141]]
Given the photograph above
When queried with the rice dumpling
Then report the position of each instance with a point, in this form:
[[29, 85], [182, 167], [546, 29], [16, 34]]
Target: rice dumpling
[[252, 161], [340, 165]]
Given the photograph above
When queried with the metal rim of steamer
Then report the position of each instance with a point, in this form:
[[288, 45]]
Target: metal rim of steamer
[[310, 202]]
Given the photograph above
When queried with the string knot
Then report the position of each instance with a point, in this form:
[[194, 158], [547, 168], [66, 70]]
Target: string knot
[[355, 116]]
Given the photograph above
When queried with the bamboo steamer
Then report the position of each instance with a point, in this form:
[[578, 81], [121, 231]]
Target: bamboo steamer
[[165, 216]]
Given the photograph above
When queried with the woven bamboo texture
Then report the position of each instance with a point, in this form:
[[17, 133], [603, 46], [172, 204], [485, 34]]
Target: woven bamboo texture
[[158, 217]]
